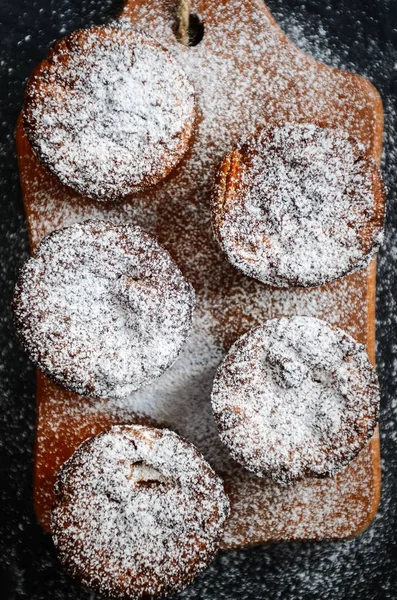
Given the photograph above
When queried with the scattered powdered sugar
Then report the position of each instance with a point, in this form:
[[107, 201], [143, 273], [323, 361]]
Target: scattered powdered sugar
[[239, 85], [160, 496], [102, 309], [179, 399], [231, 89], [299, 205], [109, 112], [295, 398]]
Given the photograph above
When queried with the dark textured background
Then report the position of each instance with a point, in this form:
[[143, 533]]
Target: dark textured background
[[358, 34]]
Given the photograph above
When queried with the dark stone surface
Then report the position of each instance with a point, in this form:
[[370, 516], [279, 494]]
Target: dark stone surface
[[358, 34]]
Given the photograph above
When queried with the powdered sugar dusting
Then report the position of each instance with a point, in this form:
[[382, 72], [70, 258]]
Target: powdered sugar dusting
[[240, 84], [102, 309], [157, 492], [295, 398], [299, 205], [109, 112], [357, 36]]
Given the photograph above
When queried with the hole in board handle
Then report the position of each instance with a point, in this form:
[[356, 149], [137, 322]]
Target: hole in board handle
[[196, 30]]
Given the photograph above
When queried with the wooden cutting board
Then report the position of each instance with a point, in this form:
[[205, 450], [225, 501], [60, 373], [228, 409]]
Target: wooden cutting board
[[246, 73]]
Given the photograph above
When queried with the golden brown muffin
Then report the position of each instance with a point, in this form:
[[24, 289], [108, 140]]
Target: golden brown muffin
[[295, 398], [109, 112], [138, 513], [298, 205]]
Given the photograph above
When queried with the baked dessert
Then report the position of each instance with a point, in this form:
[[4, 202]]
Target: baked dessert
[[109, 112], [273, 81], [298, 205], [295, 398], [138, 513], [102, 309]]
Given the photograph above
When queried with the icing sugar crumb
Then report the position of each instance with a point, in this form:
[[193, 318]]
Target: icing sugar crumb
[[138, 512], [102, 309], [295, 398], [233, 100]]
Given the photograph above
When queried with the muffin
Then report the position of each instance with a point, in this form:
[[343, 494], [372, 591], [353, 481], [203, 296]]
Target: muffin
[[298, 205], [102, 309], [138, 513], [110, 112], [295, 398]]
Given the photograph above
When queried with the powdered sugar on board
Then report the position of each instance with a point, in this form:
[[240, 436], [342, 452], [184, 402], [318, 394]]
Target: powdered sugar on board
[[110, 112], [239, 84], [299, 205]]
